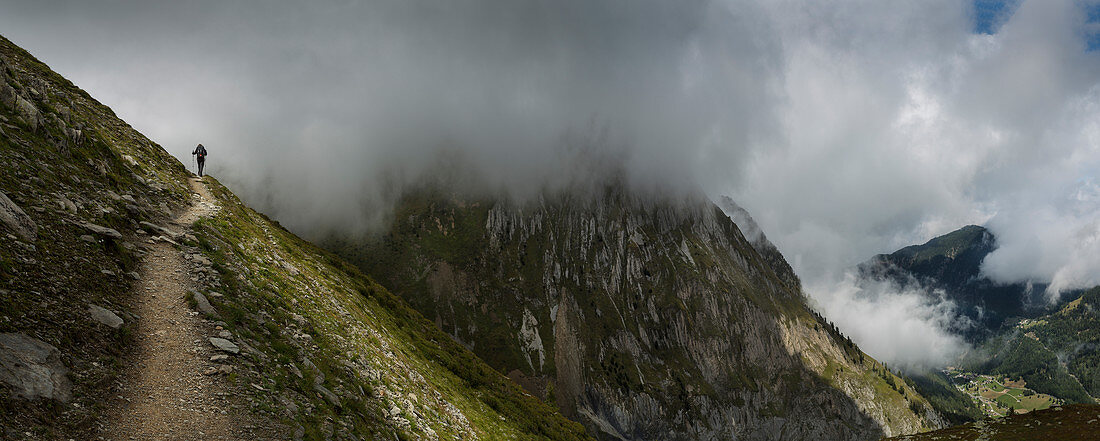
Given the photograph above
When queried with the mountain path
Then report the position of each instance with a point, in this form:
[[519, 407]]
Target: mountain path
[[167, 392]]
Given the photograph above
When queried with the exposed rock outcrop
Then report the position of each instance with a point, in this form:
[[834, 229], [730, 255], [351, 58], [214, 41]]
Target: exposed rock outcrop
[[101, 230]]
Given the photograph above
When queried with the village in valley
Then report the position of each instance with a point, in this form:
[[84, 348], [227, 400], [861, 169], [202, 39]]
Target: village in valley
[[998, 395]]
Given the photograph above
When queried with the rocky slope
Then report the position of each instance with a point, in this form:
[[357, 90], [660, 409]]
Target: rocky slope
[[313, 346], [76, 182], [1075, 421], [755, 235], [640, 318]]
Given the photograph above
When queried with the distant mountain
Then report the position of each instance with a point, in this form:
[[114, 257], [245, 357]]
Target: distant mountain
[[1056, 350], [952, 264], [643, 319]]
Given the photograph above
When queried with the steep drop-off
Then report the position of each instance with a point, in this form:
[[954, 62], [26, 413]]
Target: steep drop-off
[[640, 318]]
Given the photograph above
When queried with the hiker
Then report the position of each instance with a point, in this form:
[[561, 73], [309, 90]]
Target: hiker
[[200, 155]]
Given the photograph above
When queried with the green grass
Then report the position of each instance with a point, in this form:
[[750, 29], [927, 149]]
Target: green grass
[[1035, 402]]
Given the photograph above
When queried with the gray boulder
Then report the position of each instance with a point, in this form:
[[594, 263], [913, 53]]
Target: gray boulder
[[33, 368], [29, 113], [101, 230], [66, 204], [225, 345], [8, 96], [203, 304], [149, 226], [17, 220], [327, 394], [104, 316]]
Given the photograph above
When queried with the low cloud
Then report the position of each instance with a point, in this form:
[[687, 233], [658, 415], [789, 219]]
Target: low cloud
[[904, 326], [1046, 245]]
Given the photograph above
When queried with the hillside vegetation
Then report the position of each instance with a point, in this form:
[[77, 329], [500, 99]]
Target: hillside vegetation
[[1017, 333], [76, 183]]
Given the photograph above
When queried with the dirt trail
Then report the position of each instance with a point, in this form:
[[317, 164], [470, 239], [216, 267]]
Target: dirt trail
[[167, 394]]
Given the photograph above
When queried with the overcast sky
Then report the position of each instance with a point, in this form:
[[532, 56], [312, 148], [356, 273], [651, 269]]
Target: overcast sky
[[847, 128]]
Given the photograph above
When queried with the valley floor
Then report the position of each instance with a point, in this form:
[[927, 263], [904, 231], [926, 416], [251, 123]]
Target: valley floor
[[995, 395]]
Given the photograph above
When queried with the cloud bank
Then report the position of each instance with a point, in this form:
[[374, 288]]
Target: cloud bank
[[847, 128], [898, 325]]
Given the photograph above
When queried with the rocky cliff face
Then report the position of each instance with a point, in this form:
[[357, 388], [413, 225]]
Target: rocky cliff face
[[641, 319]]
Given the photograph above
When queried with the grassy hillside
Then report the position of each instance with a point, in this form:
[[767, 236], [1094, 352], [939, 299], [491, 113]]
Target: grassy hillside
[[966, 245], [955, 405], [390, 370], [326, 352]]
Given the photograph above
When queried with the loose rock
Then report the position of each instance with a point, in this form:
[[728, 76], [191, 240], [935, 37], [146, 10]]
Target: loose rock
[[33, 368], [154, 227], [327, 394], [104, 316], [17, 220], [101, 230], [225, 345], [203, 304]]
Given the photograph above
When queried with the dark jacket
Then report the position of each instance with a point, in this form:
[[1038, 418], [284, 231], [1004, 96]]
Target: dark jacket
[[200, 151]]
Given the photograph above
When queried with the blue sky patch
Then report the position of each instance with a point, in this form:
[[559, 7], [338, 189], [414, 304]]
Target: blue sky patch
[[989, 15], [1092, 13], [1092, 27]]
